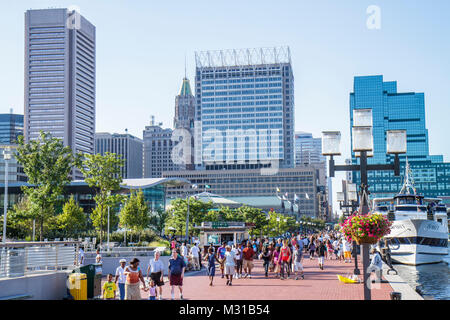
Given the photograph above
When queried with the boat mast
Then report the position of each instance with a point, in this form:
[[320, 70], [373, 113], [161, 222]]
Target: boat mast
[[408, 183]]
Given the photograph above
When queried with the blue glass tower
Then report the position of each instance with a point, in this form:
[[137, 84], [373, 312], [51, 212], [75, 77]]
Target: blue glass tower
[[398, 111]]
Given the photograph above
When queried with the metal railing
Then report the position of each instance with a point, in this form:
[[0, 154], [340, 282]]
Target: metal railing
[[22, 258]]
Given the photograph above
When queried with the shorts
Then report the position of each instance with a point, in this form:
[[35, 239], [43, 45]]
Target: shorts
[[347, 254], [248, 264], [297, 266], [151, 298], [176, 280], [211, 271], [132, 291], [321, 260], [229, 270], [156, 277], [336, 252]]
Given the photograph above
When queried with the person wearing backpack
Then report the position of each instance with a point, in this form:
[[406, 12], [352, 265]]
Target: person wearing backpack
[[321, 251]]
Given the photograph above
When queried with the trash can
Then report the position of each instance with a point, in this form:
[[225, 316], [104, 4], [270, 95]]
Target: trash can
[[89, 270], [78, 286]]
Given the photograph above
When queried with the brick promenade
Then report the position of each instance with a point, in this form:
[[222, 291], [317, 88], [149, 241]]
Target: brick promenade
[[317, 285]]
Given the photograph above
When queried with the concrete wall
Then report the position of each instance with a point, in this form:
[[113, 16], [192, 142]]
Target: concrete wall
[[48, 286], [110, 264]]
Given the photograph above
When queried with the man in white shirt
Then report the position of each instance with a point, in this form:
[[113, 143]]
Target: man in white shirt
[[183, 250], [121, 278], [194, 256], [230, 263], [81, 256]]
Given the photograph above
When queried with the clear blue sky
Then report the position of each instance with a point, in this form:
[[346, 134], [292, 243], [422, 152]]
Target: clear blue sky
[[141, 48]]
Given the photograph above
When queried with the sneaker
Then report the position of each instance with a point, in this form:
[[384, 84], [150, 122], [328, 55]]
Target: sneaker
[[246, 275], [223, 276], [160, 298], [181, 297], [250, 276], [296, 278], [303, 277], [228, 282]]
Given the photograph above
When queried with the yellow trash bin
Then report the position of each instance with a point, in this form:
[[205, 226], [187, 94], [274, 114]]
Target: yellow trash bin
[[78, 286]]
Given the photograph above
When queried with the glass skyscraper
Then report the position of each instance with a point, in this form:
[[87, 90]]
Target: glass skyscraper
[[245, 108], [11, 127], [60, 77], [394, 111]]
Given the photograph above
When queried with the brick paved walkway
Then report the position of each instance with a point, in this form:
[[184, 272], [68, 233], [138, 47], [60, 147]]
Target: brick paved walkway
[[317, 285]]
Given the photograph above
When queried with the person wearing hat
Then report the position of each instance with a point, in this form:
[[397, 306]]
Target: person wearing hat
[[121, 278]]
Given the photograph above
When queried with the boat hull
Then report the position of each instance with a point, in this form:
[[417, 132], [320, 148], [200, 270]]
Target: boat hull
[[418, 241]]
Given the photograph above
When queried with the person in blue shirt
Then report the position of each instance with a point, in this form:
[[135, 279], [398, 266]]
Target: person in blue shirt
[[176, 273], [221, 257]]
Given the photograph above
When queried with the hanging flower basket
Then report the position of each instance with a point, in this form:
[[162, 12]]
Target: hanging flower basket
[[366, 229]]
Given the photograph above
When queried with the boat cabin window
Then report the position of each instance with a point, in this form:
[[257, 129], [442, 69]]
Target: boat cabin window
[[409, 208], [439, 220], [408, 200], [382, 208]]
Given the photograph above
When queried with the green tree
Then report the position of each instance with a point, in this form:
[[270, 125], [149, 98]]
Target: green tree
[[158, 220], [198, 212], [102, 172], [19, 220], [47, 163], [72, 219], [255, 216], [135, 213]]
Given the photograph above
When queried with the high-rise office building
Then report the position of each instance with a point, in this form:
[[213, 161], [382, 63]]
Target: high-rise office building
[[11, 127], [245, 105], [127, 146], [60, 77], [158, 147], [307, 149], [184, 120], [398, 111], [184, 107]]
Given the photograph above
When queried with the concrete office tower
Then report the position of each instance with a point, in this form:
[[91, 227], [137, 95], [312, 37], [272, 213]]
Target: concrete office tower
[[307, 149], [11, 127], [126, 145], [184, 120], [245, 104], [158, 147], [392, 110], [60, 77]]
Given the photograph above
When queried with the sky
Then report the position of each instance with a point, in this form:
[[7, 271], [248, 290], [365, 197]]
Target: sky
[[142, 46]]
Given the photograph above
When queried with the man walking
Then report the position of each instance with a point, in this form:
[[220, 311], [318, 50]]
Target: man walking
[[121, 278], [176, 273], [194, 255], [297, 258], [248, 254], [155, 272]]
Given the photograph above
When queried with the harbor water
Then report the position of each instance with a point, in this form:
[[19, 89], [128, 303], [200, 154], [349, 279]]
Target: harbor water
[[433, 280]]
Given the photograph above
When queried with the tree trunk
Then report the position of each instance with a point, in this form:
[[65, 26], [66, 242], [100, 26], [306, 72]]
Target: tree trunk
[[41, 232]]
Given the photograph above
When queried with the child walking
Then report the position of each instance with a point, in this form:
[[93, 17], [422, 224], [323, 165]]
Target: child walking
[[211, 258], [109, 289], [153, 293]]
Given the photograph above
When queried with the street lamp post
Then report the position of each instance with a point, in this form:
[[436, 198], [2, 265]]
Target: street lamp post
[[194, 186], [6, 156], [344, 198], [362, 143], [109, 193]]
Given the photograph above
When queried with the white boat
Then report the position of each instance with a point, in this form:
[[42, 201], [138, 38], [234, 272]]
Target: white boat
[[419, 233]]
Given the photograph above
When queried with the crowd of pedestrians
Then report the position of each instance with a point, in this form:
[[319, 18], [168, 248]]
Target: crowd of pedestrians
[[282, 258]]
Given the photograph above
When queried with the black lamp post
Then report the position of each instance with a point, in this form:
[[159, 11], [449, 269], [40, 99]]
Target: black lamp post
[[362, 143], [349, 200]]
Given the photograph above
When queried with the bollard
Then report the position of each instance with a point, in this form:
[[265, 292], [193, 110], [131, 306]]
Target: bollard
[[396, 295]]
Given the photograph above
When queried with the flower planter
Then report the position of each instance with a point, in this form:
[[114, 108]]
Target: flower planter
[[365, 240]]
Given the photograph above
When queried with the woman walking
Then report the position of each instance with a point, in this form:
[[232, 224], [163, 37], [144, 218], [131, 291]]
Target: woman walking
[[311, 248], [133, 274], [285, 256], [211, 258], [276, 261]]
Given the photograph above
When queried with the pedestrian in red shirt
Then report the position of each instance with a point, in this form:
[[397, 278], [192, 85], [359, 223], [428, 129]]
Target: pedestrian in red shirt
[[248, 254]]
